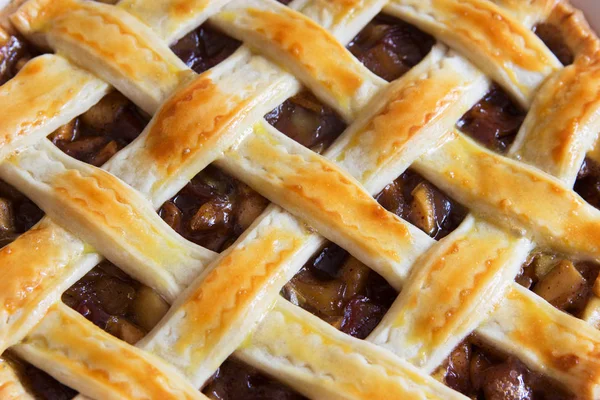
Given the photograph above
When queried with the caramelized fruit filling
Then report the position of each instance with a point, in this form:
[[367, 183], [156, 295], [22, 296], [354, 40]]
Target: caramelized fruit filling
[[235, 380], [494, 121], [481, 372], [204, 48], [306, 120], [554, 39], [213, 209], [14, 54], [565, 284], [587, 184], [37, 382], [116, 303], [418, 201], [17, 213], [389, 47], [96, 135], [342, 291]]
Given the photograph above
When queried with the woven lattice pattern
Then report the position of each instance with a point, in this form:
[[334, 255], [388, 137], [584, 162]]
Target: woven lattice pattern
[[230, 303]]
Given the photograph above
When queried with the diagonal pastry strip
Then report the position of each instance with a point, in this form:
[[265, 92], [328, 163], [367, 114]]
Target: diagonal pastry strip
[[65, 344], [113, 39], [288, 342], [35, 105], [459, 24]]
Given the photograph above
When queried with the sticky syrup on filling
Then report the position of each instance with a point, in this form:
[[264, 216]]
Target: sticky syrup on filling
[[587, 184], [419, 202], [389, 47], [564, 283], [99, 133], [342, 291], [204, 48], [15, 52], [555, 41], [18, 214], [235, 380], [116, 303], [306, 120], [213, 209], [481, 372], [37, 383], [494, 121]]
